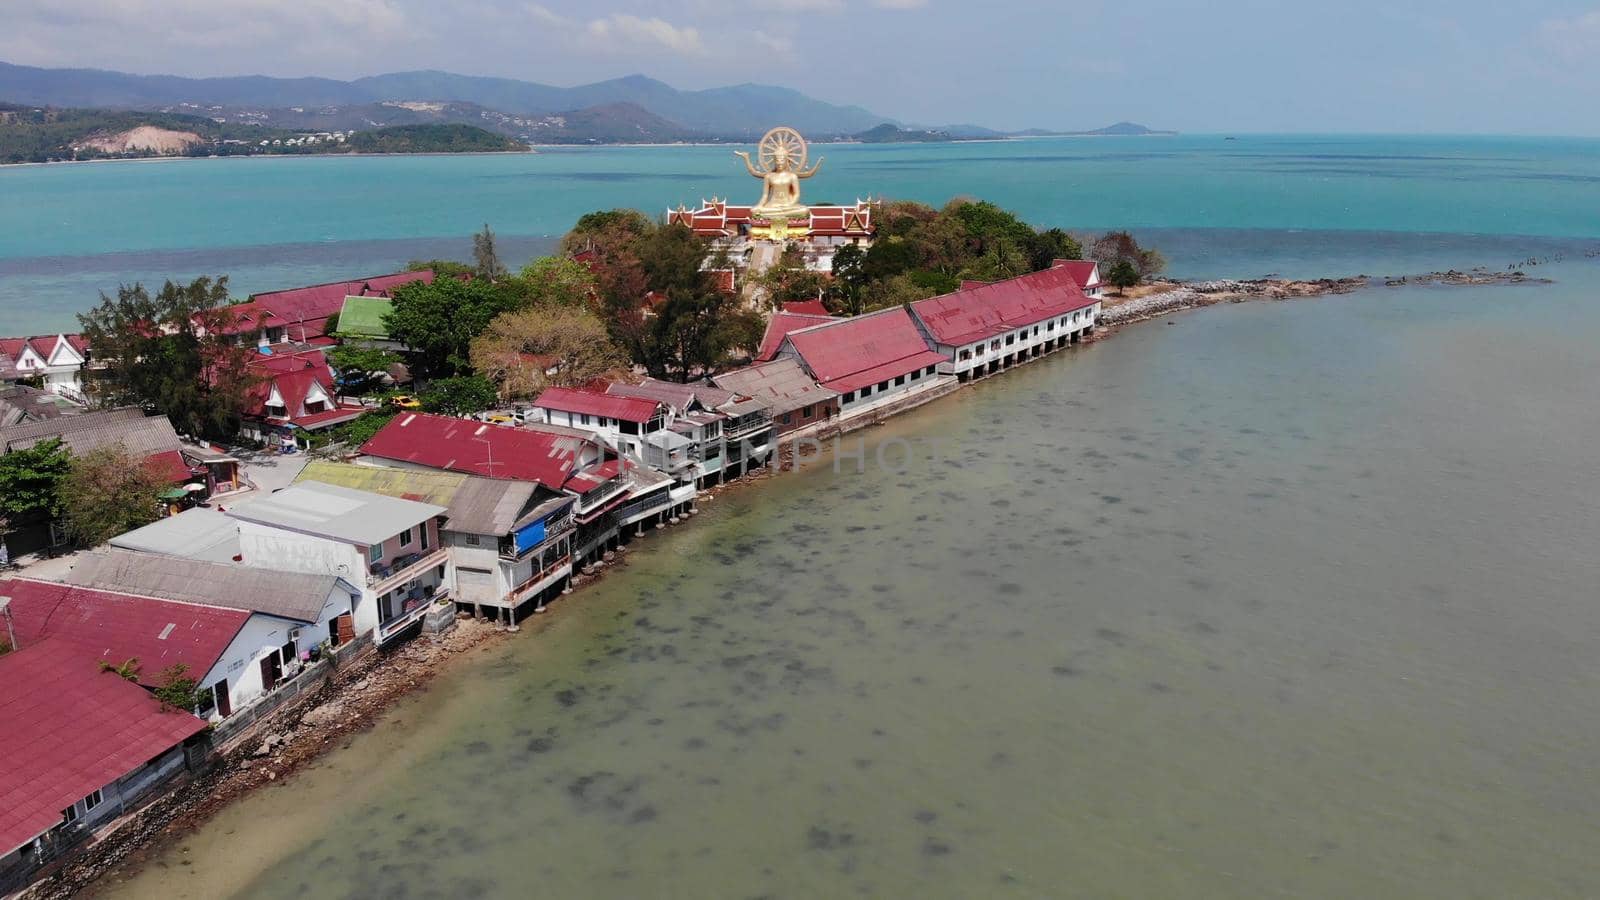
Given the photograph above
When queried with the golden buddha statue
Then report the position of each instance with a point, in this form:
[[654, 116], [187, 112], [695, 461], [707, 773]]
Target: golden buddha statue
[[783, 165]]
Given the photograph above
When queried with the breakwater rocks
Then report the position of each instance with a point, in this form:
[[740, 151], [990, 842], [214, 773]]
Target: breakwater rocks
[[1168, 297]]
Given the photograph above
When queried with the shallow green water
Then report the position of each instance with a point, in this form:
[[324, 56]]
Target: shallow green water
[[1276, 600]]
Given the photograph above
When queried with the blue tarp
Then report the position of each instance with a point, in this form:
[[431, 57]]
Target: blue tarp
[[530, 535]]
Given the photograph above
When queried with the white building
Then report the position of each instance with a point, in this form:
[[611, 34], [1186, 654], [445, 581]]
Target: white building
[[57, 360], [387, 546], [985, 328]]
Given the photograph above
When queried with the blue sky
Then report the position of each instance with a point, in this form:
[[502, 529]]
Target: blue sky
[[1230, 65]]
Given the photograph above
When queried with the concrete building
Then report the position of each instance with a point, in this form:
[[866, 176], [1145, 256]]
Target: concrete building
[[986, 328], [793, 400], [712, 433], [387, 546], [872, 361]]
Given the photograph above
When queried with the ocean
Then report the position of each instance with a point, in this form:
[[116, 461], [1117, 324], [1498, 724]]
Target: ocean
[[1305, 206], [1266, 599]]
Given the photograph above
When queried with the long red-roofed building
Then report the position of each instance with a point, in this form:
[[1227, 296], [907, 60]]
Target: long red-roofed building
[[426, 441], [783, 322], [984, 328], [865, 358], [300, 315], [80, 745], [624, 421]]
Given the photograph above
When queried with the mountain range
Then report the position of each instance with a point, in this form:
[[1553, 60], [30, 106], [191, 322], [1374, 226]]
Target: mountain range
[[622, 110]]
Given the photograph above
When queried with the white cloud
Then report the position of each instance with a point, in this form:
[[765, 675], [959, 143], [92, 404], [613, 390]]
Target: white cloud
[[647, 32]]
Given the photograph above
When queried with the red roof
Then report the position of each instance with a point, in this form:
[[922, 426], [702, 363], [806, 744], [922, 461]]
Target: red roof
[[850, 354], [305, 311], [170, 465], [71, 729], [1083, 270], [463, 445], [779, 326], [114, 627], [43, 345], [594, 476], [626, 409], [807, 308], [294, 375], [977, 313]]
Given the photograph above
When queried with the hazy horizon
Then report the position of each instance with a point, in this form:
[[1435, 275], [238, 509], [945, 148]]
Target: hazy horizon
[[1241, 67]]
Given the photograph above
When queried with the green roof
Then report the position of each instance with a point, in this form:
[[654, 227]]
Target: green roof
[[363, 317]]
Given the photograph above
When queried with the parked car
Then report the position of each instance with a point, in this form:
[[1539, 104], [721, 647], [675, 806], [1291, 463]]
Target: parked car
[[405, 401]]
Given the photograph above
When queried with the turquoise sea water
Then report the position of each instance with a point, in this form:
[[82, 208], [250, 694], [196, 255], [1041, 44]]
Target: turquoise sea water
[[1300, 205]]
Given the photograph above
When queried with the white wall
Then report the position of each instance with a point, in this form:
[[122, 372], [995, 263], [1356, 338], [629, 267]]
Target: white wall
[[273, 548]]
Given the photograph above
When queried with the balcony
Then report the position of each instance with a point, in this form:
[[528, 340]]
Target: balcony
[[415, 611], [596, 498], [382, 578], [628, 513], [554, 530]]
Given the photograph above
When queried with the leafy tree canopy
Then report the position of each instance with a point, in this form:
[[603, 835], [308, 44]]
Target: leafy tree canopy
[[361, 369], [170, 354], [530, 349], [438, 321], [108, 491], [459, 396], [29, 482]]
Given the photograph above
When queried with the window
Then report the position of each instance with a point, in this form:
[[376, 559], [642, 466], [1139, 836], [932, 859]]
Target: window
[[423, 528], [583, 418], [472, 540], [899, 381], [375, 553], [91, 801], [994, 345], [1011, 339], [849, 397], [287, 653], [405, 538], [783, 419], [1050, 325], [807, 412], [70, 814], [1035, 331], [928, 371], [866, 392]]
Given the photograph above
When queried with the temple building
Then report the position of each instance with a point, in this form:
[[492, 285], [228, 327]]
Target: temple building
[[755, 236]]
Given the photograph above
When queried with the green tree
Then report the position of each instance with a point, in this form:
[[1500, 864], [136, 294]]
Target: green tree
[[359, 430], [1045, 247], [1120, 245], [486, 262], [30, 482], [849, 278], [459, 396], [1123, 275], [443, 268], [438, 321], [170, 354], [557, 281], [177, 690], [361, 369], [605, 228], [107, 492], [694, 333], [530, 349], [789, 280], [673, 259]]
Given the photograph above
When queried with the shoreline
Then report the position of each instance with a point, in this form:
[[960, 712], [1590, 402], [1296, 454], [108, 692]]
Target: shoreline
[[368, 687]]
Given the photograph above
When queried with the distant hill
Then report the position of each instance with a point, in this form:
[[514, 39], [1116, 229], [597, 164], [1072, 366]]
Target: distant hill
[[44, 134], [1121, 129], [738, 111], [889, 133]]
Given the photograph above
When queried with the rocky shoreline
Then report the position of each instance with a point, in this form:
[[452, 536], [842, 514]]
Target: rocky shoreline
[[1175, 296]]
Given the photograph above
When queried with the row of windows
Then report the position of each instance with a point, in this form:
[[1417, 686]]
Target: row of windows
[[884, 385], [71, 814], [375, 552], [1012, 337]]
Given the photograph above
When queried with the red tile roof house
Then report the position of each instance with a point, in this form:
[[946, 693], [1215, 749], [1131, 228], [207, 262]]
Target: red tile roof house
[[609, 494], [989, 327], [80, 746], [871, 361], [57, 360], [241, 632], [300, 315], [1086, 272], [294, 395], [779, 326]]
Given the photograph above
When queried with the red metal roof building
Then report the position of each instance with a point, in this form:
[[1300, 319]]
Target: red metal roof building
[[781, 324], [807, 308], [113, 627], [71, 730], [988, 327], [300, 315], [479, 448], [1086, 272], [594, 403], [864, 356]]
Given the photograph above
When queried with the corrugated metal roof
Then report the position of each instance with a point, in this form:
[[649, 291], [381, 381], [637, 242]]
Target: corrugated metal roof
[[973, 314], [782, 385], [363, 317], [71, 729], [473, 505], [478, 448], [139, 434], [626, 409], [116, 626], [678, 396], [327, 510], [779, 327], [196, 533], [289, 595], [852, 353]]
